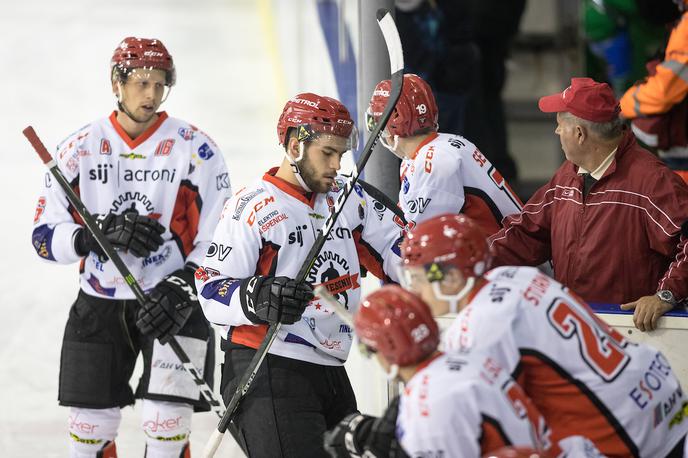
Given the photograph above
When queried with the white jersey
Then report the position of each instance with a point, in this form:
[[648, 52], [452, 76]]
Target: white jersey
[[448, 174], [466, 406], [172, 172], [584, 377], [268, 229]]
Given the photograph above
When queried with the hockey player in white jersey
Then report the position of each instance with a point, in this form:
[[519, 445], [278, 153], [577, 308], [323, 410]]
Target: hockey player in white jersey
[[157, 185], [440, 173], [583, 376], [459, 406], [247, 282]]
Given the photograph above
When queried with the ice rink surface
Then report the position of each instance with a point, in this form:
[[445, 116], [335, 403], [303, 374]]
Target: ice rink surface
[[55, 64]]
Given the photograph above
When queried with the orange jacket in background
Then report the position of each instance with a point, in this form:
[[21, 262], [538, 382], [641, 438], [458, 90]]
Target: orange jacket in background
[[669, 86]]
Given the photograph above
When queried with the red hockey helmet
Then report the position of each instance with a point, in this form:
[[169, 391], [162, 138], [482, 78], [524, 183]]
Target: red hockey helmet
[[515, 452], [398, 324], [148, 53], [313, 114], [453, 240], [415, 112]]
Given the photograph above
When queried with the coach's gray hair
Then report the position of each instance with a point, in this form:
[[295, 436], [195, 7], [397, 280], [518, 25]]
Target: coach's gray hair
[[602, 130]]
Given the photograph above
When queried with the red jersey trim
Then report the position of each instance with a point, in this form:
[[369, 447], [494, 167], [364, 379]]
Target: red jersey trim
[[296, 192], [427, 362], [429, 138], [145, 135]]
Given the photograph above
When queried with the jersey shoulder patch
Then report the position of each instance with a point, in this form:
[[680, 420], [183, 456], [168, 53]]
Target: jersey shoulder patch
[[246, 197], [70, 151]]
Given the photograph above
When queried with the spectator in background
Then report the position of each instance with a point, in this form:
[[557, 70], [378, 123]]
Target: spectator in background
[[610, 217], [622, 35], [494, 25], [658, 107], [438, 46]]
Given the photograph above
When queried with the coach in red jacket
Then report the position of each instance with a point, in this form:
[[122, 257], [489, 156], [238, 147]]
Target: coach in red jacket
[[610, 218]]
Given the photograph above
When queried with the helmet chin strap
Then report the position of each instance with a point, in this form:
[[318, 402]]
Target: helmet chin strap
[[393, 373], [120, 101], [453, 299], [393, 147], [295, 167]]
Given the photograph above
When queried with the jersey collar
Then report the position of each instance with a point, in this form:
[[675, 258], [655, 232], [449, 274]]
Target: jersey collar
[[427, 140], [145, 135], [297, 192]]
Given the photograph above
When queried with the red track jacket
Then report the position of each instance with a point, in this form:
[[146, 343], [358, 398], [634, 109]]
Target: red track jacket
[[619, 243]]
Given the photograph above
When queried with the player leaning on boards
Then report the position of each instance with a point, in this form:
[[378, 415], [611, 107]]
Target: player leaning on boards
[[581, 374], [610, 218], [440, 173], [247, 282], [452, 405], [158, 185]]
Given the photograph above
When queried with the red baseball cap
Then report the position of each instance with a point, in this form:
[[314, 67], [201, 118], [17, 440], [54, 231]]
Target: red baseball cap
[[585, 98]]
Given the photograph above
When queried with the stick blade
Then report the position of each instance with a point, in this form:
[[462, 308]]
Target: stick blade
[[381, 13], [392, 40]]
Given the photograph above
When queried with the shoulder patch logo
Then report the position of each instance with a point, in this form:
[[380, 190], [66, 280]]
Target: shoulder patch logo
[[105, 147], [164, 148], [205, 152]]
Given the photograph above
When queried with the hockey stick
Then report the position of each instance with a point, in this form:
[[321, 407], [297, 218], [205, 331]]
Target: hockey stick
[[391, 36], [338, 308], [384, 199], [92, 226]]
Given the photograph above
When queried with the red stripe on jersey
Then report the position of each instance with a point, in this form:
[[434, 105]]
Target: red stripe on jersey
[[564, 404], [252, 336], [492, 436], [427, 140], [368, 257], [267, 259], [480, 211], [145, 135], [249, 336], [186, 214], [297, 192]]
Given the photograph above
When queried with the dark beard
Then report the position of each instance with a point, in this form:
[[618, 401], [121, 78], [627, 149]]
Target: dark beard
[[308, 174]]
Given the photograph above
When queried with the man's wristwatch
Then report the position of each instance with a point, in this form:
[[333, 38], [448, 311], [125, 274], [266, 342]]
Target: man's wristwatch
[[667, 296]]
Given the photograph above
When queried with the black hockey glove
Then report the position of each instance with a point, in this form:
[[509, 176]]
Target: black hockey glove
[[348, 436], [382, 441], [169, 306], [138, 234], [274, 299]]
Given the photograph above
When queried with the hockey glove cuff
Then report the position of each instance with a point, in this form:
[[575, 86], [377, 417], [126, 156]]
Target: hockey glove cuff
[[382, 440], [346, 439], [138, 234], [266, 299], [169, 306]]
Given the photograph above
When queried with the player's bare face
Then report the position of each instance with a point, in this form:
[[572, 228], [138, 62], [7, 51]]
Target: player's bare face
[[321, 161], [143, 93]]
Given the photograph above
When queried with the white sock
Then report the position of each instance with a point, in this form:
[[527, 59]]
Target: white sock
[[167, 426], [91, 429]]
